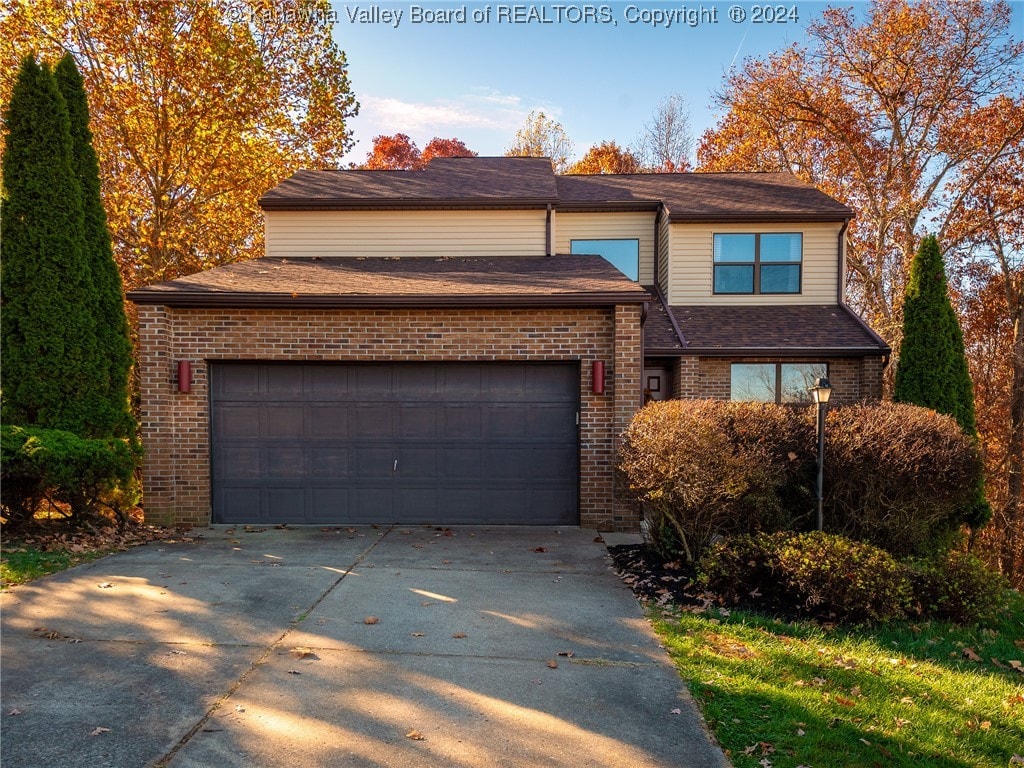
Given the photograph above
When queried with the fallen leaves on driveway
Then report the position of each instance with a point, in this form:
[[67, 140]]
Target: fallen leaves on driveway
[[98, 731], [415, 736], [371, 620]]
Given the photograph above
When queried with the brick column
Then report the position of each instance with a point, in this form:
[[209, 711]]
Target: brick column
[[628, 393]]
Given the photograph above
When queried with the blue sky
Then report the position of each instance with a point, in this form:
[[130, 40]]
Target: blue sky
[[478, 79]]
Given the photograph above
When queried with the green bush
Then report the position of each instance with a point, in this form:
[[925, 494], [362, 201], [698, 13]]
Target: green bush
[[89, 477], [901, 477], [958, 588], [706, 468], [814, 574]]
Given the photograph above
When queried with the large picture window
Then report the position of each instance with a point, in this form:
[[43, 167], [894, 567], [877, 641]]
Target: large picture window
[[758, 263], [624, 255], [775, 382]]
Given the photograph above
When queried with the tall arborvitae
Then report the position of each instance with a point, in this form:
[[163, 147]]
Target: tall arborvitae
[[932, 369], [49, 369], [110, 412]]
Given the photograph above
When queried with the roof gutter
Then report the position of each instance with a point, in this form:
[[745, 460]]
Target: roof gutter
[[547, 232], [841, 250]]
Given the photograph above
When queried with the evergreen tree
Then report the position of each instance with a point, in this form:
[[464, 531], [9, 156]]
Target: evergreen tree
[[47, 333], [110, 410], [932, 369]]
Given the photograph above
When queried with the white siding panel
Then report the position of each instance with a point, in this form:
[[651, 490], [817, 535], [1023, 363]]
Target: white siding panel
[[609, 226], [296, 234], [690, 272]]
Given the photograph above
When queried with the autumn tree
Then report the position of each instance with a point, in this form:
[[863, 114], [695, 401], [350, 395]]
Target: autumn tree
[[542, 136], [400, 153], [112, 348], [445, 148], [872, 113], [393, 153], [198, 107], [49, 375], [606, 157], [666, 141], [987, 223], [932, 369]]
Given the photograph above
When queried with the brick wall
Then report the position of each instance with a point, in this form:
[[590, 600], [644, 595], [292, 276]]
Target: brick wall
[[853, 379], [176, 429]]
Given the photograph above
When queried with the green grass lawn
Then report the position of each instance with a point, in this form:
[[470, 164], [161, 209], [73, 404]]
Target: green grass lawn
[[24, 564], [786, 694]]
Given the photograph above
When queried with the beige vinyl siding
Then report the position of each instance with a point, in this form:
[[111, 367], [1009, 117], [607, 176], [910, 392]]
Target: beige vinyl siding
[[609, 226], [690, 272], [295, 234], [664, 258]]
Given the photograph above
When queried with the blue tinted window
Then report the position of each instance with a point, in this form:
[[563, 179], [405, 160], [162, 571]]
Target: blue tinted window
[[753, 382], [782, 247], [624, 255], [775, 382], [734, 279], [769, 262], [780, 278]]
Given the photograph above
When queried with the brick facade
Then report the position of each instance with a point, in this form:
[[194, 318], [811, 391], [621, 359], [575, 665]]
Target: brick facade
[[854, 379], [176, 426]]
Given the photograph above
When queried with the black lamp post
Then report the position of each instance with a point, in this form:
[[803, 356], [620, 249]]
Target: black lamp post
[[822, 391]]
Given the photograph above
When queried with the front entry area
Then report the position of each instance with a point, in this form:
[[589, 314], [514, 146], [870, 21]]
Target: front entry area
[[444, 443]]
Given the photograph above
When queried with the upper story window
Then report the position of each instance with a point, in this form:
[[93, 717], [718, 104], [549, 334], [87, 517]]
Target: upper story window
[[775, 382], [623, 254], [758, 263]]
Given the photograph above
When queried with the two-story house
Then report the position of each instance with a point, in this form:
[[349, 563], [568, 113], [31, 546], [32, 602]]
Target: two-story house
[[464, 343]]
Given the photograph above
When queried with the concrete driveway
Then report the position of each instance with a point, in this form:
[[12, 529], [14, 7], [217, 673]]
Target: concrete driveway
[[401, 646]]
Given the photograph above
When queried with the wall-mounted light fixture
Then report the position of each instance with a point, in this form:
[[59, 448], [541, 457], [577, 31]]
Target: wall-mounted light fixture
[[184, 375], [597, 377]]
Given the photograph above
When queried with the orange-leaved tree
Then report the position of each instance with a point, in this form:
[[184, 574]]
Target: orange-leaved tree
[[198, 107], [606, 157], [399, 153]]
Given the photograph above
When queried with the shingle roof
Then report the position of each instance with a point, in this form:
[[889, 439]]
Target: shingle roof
[[450, 181], [834, 329], [660, 336], [383, 282], [480, 182], [706, 196]]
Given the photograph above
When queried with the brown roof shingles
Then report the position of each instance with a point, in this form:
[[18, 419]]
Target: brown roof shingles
[[804, 329], [387, 281], [481, 182]]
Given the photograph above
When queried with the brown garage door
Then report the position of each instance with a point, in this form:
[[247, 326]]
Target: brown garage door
[[447, 443]]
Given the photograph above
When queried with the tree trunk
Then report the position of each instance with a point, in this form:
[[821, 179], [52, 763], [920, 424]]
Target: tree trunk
[[1015, 455]]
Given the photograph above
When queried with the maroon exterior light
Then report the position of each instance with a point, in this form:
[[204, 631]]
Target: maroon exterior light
[[597, 377], [184, 375]]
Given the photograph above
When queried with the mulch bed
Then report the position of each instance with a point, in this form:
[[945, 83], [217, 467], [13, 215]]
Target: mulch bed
[[657, 581], [52, 536]]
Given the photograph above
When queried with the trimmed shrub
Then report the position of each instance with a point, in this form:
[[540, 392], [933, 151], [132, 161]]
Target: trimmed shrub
[[958, 588], [815, 574], [90, 478], [705, 468], [898, 476]]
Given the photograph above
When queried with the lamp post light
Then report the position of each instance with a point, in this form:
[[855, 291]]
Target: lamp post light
[[821, 391]]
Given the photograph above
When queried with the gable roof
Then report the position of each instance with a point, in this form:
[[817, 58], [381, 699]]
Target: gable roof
[[381, 282], [834, 330], [530, 182]]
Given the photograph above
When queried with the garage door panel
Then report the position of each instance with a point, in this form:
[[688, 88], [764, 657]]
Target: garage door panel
[[284, 382], [372, 420], [238, 504], [329, 505], [462, 421], [286, 505], [418, 421], [330, 462], [375, 463], [237, 462], [284, 421], [317, 443], [329, 421], [287, 463], [236, 421]]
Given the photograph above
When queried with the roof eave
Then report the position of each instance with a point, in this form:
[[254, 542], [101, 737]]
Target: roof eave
[[207, 300], [858, 351], [758, 218]]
